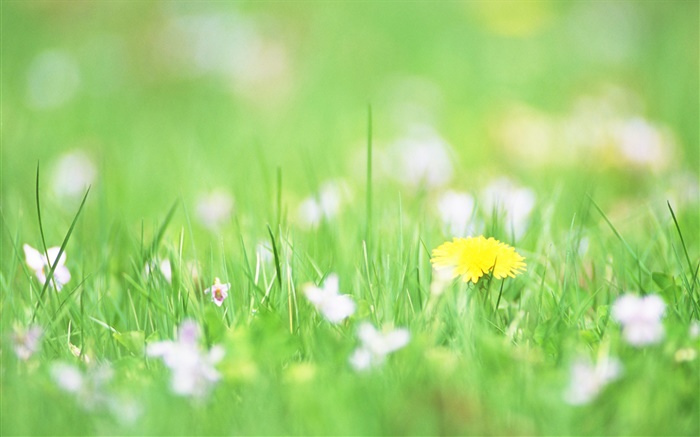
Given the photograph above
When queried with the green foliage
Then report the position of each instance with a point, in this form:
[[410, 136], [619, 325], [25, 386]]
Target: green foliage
[[166, 116]]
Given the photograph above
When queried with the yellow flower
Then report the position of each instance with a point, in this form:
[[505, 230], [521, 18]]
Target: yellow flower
[[472, 257]]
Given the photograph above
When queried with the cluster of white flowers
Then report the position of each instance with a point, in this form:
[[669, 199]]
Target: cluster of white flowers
[[89, 387], [336, 307], [193, 372], [640, 318], [326, 205], [41, 265], [231, 46], [607, 127], [587, 380]]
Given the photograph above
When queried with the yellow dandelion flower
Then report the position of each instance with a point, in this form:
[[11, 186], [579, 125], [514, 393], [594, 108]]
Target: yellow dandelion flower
[[473, 257]]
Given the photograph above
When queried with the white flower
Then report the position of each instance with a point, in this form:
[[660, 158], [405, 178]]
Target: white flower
[[72, 175], [164, 267], [326, 205], [694, 330], [511, 203], [26, 342], [588, 380], [214, 209], [456, 210], [375, 346], [40, 264], [264, 253], [193, 371], [421, 157], [89, 387], [642, 143], [335, 307], [68, 377], [640, 318], [441, 279]]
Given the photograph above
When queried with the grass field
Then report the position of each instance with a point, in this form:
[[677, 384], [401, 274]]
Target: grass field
[[247, 198]]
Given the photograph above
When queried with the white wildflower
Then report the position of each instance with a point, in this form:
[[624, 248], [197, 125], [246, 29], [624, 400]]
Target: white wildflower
[[335, 307], [588, 380], [89, 387], [193, 372], [39, 263], [510, 202], [214, 209], [375, 345], [326, 205], [73, 174], [456, 212], [694, 329], [422, 157], [640, 318], [26, 342]]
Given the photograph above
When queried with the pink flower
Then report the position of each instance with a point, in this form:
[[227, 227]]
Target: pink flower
[[218, 291]]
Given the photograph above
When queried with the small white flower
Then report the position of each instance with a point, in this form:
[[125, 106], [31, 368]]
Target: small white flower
[[89, 387], [310, 212], [164, 267], [694, 330], [456, 210], [511, 203], [642, 143], [218, 291], [588, 380], [26, 342], [375, 346], [264, 252], [326, 205], [68, 377], [40, 264], [72, 175], [640, 318], [193, 371], [442, 278], [214, 209], [335, 307], [421, 157]]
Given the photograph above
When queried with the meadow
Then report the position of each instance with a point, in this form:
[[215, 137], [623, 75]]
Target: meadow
[[266, 218]]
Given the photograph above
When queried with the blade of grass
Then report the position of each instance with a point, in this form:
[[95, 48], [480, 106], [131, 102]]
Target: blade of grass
[[619, 237], [62, 249]]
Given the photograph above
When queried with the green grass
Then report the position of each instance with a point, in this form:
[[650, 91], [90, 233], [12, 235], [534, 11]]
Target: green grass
[[491, 358]]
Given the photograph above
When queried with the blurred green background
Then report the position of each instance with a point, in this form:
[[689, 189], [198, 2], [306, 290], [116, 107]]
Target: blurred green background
[[156, 102], [175, 98]]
